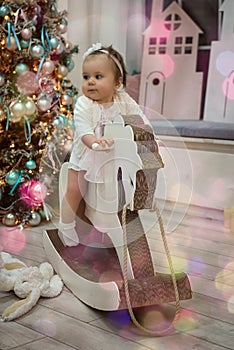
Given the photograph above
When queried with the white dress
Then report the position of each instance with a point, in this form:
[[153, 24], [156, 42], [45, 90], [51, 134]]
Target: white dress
[[90, 119]]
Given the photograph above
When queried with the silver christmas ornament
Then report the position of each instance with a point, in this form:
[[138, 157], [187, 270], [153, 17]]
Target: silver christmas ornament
[[35, 219]]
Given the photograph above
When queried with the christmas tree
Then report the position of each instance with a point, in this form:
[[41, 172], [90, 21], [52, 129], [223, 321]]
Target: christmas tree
[[36, 103]]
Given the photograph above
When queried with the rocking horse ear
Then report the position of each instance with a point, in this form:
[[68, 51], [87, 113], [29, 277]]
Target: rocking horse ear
[[21, 307]]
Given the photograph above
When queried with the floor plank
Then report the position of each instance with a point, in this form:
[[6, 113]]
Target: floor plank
[[199, 245]]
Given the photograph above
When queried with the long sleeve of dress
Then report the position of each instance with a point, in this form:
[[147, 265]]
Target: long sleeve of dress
[[86, 116]]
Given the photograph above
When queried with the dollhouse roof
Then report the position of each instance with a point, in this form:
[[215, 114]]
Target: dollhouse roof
[[173, 8]]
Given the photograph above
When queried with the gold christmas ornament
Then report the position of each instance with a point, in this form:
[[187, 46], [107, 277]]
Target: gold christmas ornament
[[9, 219]]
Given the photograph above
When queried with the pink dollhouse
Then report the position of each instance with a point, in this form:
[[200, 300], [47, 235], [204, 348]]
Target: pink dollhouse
[[169, 83]]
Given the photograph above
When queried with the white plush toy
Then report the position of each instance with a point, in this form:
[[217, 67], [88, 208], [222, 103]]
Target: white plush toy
[[28, 283]]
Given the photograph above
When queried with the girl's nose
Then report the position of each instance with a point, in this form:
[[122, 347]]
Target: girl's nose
[[91, 81]]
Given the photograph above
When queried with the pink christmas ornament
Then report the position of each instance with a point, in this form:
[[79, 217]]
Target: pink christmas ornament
[[33, 192], [27, 83], [46, 85]]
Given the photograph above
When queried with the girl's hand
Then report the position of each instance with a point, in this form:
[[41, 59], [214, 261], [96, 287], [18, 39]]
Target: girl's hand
[[103, 145]]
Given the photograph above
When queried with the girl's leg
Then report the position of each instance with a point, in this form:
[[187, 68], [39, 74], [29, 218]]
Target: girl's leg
[[76, 187]]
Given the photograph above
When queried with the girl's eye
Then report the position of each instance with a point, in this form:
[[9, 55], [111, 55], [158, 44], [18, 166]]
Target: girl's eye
[[98, 76], [85, 77]]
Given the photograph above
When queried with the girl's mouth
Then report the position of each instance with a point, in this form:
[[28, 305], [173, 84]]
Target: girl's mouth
[[92, 90]]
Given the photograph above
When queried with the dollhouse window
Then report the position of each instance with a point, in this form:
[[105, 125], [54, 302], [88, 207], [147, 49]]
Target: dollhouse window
[[185, 43], [178, 40], [153, 41], [152, 50], [172, 22], [188, 50], [188, 40], [163, 41], [178, 50], [162, 50]]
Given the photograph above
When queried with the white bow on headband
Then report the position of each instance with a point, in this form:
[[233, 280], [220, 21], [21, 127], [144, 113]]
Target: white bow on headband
[[93, 48]]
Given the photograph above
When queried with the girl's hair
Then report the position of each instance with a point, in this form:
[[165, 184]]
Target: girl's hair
[[117, 56]]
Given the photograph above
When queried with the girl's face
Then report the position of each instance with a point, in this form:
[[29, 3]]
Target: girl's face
[[99, 79]]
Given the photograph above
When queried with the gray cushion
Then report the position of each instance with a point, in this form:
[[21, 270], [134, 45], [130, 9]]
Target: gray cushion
[[194, 128]]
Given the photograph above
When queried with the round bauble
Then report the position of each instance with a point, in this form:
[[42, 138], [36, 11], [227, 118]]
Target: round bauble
[[62, 71], [30, 107], [58, 123], [12, 177], [33, 192], [21, 68], [60, 48], [24, 43], [37, 51], [66, 100], [70, 65], [62, 28], [9, 219], [4, 10], [48, 67], [54, 42], [13, 45], [27, 83], [38, 192], [26, 33], [18, 109], [30, 164], [35, 219], [44, 103]]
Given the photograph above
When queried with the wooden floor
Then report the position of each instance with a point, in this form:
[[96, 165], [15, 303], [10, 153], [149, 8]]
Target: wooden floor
[[199, 245]]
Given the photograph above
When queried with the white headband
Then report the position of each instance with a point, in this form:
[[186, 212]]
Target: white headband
[[98, 47]]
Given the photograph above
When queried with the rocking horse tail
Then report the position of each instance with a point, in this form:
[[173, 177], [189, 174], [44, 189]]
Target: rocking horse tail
[[21, 307]]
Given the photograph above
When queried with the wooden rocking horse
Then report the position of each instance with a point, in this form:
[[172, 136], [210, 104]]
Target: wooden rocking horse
[[112, 268]]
